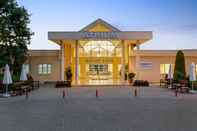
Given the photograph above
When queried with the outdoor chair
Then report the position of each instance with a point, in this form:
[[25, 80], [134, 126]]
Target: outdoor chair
[[184, 86], [163, 83], [36, 84], [33, 84], [19, 88], [169, 82], [175, 84]]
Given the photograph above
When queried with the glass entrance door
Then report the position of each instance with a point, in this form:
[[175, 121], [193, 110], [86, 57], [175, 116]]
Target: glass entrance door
[[99, 61], [100, 71]]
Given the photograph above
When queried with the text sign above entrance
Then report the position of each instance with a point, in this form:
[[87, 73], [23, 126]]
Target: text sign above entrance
[[99, 35], [99, 60]]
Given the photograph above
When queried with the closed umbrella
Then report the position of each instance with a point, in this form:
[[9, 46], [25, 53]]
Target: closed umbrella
[[23, 76], [170, 75], [192, 76], [7, 79]]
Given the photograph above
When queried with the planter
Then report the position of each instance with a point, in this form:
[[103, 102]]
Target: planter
[[141, 83], [130, 81]]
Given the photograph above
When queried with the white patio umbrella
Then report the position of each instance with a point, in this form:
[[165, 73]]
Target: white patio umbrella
[[170, 74], [7, 79], [192, 76], [23, 76]]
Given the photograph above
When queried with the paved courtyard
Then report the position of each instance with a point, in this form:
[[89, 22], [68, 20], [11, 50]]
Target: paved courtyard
[[116, 109]]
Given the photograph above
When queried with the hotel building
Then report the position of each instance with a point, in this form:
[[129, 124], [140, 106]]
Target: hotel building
[[101, 54]]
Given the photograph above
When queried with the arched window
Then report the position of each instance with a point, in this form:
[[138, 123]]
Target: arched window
[[99, 48]]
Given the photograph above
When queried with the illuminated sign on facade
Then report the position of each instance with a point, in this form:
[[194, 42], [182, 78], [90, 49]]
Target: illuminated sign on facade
[[99, 35], [104, 60]]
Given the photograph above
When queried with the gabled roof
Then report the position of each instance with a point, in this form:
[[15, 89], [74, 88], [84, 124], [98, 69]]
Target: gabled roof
[[99, 21]]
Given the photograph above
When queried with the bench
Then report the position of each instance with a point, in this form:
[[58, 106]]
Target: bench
[[163, 83], [19, 88]]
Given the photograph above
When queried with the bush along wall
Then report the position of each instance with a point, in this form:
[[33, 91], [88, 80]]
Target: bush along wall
[[141, 83]]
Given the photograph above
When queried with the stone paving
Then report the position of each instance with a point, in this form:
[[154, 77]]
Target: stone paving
[[116, 109]]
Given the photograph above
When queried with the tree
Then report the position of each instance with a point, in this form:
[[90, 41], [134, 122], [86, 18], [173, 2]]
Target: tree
[[179, 70], [15, 34]]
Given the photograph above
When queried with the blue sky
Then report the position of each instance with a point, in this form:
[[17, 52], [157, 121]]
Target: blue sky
[[173, 22]]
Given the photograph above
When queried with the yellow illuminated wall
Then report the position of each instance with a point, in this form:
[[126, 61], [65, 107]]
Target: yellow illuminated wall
[[99, 28]]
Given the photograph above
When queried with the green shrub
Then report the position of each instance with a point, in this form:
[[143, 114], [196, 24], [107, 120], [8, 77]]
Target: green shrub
[[15, 78], [131, 75], [179, 69], [1, 76]]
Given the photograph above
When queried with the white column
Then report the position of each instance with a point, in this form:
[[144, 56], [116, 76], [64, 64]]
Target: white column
[[137, 62], [62, 62], [123, 63], [129, 58], [76, 62]]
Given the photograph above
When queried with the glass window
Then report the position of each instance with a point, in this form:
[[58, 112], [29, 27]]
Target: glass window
[[119, 67], [110, 67], [146, 65], [196, 69], [95, 68], [40, 69], [49, 69], [164, 68], [99, 48], [44, 68]]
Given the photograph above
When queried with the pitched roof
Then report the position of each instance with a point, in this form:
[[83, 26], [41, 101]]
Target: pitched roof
[[99, 21]]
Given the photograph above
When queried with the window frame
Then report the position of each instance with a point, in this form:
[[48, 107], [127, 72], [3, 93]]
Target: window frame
[[149, 65], [165, 68], [44, 69], [196, 69]]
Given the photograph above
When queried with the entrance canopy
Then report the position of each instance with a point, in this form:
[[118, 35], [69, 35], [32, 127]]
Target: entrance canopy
[[101, 30], [98, 52]]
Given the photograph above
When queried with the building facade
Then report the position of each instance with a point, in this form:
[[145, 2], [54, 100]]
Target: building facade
[[102, 54]]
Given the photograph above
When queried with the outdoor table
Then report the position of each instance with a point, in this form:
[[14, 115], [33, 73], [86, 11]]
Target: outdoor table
[[176, 85]]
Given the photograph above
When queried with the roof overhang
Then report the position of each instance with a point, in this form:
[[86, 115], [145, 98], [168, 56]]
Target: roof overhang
[[122, 35], [43, 53]]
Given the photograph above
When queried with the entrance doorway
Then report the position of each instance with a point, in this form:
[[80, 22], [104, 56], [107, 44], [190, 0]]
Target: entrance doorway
[[99, 71], [99, 61]]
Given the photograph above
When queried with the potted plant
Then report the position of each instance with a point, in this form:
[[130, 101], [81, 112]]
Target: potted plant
[[68, 74], [131, 76]]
